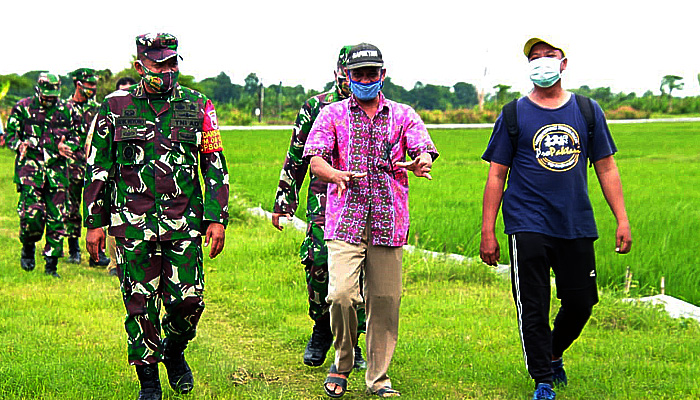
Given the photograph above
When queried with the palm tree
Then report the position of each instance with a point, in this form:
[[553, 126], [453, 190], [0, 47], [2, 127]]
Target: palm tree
[[671, 82]]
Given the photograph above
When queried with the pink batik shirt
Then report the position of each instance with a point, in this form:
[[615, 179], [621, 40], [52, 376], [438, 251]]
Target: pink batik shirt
[[348, 140]]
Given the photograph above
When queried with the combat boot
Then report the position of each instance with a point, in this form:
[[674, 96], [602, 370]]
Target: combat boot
[[102, 261], [27, 258], [73, 251], [150, 382], [320, 342], [51, 266], [179, 373]]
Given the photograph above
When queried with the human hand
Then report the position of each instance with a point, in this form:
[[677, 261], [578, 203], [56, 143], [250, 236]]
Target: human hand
[[22, 149], [63, 148], [420, 165], [276, 219], [489, 250], [342, 179], [623, 239], [216, 234], [95, 241]]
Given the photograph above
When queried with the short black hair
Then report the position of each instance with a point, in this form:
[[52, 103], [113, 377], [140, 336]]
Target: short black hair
[[125, 80]]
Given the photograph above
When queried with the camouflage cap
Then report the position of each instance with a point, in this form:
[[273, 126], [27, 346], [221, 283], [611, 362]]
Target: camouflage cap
[[48, 84], [343, 56], [156, 46], [84, 75]]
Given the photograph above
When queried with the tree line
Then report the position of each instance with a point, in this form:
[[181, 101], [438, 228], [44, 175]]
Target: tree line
[[460, 103]]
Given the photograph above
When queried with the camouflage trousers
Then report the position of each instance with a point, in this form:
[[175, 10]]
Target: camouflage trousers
[[74, 220], [314, 256], [40, 208], [153, 272]]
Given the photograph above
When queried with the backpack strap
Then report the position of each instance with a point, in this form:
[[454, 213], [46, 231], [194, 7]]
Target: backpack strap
[[510, 117], [585, 105]]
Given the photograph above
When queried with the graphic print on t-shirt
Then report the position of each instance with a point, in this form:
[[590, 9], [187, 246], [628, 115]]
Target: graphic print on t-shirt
[[557, 147]]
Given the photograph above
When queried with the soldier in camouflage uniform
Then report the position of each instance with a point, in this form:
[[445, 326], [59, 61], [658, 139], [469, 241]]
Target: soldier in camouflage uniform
[[313, 251], [83, 101], [44, 131], [142, 182]]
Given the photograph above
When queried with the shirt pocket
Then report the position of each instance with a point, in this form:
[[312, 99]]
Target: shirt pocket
[[185, 141], [130, 144]]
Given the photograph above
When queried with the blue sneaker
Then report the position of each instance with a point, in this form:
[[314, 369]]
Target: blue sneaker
[[544, 392], [558, 373]]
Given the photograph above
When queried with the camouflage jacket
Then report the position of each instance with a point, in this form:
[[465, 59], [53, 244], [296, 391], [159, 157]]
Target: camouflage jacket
[[294, 168], [42, 128], [87, 111], [141, 176]]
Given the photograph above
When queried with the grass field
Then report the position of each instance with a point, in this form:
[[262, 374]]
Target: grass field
[[64, 339], [659, 164]]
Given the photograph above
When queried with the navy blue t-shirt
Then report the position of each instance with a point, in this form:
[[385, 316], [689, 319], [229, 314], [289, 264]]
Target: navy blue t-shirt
[[548, 183]]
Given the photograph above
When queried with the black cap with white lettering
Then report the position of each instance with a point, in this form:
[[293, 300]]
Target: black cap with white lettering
[[364, 55]]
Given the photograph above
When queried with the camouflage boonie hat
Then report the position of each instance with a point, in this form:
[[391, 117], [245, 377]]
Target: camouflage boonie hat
[[84, 75], [48, 84], [156, 46], [343, 56]]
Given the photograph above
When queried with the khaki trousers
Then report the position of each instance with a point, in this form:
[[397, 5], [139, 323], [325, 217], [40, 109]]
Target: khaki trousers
[[382, 298]]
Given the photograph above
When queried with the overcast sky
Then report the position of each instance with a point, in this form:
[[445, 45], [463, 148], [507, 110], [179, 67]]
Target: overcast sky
[[628, 46]]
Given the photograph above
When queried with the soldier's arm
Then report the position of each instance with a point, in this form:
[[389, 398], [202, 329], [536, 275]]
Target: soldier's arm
[[77, 142], [295, 167], [214, 170], [96, 196], [14, 134]]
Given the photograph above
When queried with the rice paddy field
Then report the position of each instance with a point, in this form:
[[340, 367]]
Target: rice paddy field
[[64, 338], [659, 165]]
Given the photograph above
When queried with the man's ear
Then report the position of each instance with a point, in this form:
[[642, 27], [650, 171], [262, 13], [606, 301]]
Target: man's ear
[[564, 63], [138, 67]]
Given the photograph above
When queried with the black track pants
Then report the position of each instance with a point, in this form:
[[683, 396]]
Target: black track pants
[[573, 262]]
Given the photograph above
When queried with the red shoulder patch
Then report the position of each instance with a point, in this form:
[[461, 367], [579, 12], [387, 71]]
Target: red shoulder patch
[[211, 142]]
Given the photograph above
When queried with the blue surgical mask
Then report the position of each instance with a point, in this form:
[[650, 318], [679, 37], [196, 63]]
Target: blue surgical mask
[[545, 71], [366, 91]]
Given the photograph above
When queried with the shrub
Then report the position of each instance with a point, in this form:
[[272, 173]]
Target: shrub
[[626, 112]]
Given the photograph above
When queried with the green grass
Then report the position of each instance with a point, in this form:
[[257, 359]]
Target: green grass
[[658, 162], [64, 339]]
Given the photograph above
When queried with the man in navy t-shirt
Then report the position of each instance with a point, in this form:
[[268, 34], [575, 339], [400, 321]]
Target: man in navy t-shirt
[[547, 213]]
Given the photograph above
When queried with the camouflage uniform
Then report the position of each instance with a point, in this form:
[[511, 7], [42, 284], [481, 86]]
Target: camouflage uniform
[[87, 110], [142, 181], [313, 251], [41, 175]]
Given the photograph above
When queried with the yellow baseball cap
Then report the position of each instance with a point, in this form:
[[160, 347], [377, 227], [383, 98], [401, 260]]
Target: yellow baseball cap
[[533, 41]]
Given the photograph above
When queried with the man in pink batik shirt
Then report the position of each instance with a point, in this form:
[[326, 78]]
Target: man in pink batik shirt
[[359, 147]]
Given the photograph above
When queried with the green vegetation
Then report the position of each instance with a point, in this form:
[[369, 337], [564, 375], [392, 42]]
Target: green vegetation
[[64, 339], [459, 103], [659, 165]]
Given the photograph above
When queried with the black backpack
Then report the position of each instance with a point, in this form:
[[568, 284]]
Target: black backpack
[[510, 117]]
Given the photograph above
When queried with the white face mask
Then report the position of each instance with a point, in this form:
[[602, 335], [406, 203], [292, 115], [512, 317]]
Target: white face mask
[[545, 71]]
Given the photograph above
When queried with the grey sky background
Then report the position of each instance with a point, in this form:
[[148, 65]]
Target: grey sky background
[[628, 46]]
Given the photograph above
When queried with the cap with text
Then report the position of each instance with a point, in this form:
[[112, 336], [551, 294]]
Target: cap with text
[[533, 41], [156, 47], [364, 55]]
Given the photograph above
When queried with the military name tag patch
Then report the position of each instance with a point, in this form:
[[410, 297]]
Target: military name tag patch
[[211, 142], [130, 121], [186, 122]]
